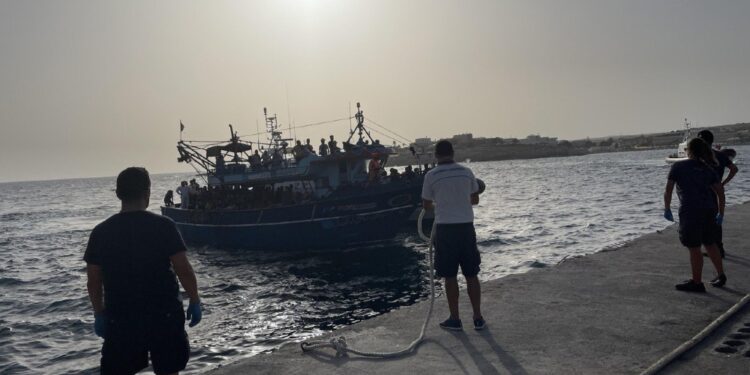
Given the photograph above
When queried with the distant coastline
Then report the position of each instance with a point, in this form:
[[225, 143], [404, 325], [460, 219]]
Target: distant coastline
[[534, 146]]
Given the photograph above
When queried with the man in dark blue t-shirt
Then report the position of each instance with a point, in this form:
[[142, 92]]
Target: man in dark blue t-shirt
[[724, 162], [131, 262], [701, 211]]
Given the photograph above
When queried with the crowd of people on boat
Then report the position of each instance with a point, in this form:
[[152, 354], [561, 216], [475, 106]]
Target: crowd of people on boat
[[267, 159], [238, 197]]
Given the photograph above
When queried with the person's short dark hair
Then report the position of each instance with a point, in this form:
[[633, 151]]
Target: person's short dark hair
[[706, 136], [133, 183], [700, 149], [443, 148]]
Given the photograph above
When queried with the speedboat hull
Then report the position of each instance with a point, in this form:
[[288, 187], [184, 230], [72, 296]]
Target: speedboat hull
[[671, 160]]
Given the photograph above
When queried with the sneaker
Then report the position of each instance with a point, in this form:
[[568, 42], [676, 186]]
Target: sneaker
[[691, 286], [452, 324], [719, 281], [479, 324]]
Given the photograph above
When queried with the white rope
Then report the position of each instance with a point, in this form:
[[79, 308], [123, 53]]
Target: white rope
[[687, 345], [339, 343]]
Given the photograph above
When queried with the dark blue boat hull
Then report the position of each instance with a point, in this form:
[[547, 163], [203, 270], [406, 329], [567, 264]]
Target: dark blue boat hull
[[357, 219]]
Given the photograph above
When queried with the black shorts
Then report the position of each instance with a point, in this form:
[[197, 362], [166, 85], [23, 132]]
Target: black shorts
[[456, 245], [698, 227], [128, 344]]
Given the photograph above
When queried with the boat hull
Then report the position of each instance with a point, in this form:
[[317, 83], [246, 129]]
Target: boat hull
[[337, 223]]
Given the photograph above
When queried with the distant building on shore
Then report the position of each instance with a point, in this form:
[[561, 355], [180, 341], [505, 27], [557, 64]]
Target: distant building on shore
[[423, 142], [465, 139], [536, 139]]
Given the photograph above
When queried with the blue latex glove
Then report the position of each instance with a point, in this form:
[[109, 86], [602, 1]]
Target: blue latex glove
[[100, 324], [719, 219], [668, 214], [194, 313]]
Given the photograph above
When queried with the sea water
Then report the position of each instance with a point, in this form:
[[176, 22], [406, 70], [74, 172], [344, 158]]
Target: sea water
[[533, 214]]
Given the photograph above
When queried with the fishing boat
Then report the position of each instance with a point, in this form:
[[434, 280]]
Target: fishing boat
[[681, 153], [292, 198]]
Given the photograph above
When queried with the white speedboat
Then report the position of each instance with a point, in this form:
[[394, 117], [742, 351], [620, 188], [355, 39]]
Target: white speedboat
[[681, 153]]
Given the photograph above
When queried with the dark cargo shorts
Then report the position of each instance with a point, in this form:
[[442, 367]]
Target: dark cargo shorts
[[456, 245], [128, 344], [698, 227]]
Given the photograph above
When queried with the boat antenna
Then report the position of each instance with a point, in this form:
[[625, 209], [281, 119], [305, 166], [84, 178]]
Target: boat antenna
[[257, 132], [289, 114], [350, 117]]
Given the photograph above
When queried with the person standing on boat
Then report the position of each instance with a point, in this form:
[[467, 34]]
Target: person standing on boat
[[451, 190], [300, 151], [266, 159], [132, 259], [373, 169], [277, 160], [333, 146], [723, 162], [255, 162], [169, 199], [701, 211], [309, 147], [323, 148], [184, 191]]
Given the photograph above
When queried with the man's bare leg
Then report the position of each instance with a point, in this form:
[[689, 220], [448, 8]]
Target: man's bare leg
[[696, 263], [715, 255], [451, 292], [475, 295]]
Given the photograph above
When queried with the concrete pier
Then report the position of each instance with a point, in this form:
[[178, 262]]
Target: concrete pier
[[613, 312]]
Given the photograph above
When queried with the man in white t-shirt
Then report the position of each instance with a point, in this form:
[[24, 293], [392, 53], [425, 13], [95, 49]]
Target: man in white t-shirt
[[451, 189], [184, 191]]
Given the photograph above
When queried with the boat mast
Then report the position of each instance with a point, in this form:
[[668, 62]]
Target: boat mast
[[272, 127], [360, 128]]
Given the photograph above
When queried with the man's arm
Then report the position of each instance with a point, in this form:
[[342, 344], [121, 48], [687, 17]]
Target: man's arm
[[719, 189], [427, 204], [732, 171], [668, 194], [185, 274], [475, 199], [95, 287]]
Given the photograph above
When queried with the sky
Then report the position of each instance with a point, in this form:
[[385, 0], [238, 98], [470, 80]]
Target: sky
[[88, 88]]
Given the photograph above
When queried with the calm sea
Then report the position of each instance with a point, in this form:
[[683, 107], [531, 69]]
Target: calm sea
[[534, 213]]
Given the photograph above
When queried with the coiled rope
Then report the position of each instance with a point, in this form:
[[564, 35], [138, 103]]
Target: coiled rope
[[339, 343]]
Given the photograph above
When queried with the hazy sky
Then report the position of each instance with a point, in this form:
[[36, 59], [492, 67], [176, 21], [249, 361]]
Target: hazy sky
[[90, 87]]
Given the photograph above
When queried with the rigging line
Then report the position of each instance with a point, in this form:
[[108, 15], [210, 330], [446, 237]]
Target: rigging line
[[199, 174], [384, 135], [387, 136], [389, 130], [304, 126], [205, 141]]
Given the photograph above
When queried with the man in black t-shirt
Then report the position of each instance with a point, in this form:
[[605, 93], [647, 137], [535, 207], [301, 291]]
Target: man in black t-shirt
[[701, 212], [724, 162], [131, 262]]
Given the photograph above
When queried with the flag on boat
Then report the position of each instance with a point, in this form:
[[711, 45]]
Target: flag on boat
[[182, 127]]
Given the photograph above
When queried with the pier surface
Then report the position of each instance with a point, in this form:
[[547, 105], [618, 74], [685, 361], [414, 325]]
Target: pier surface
[[613, 312]]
